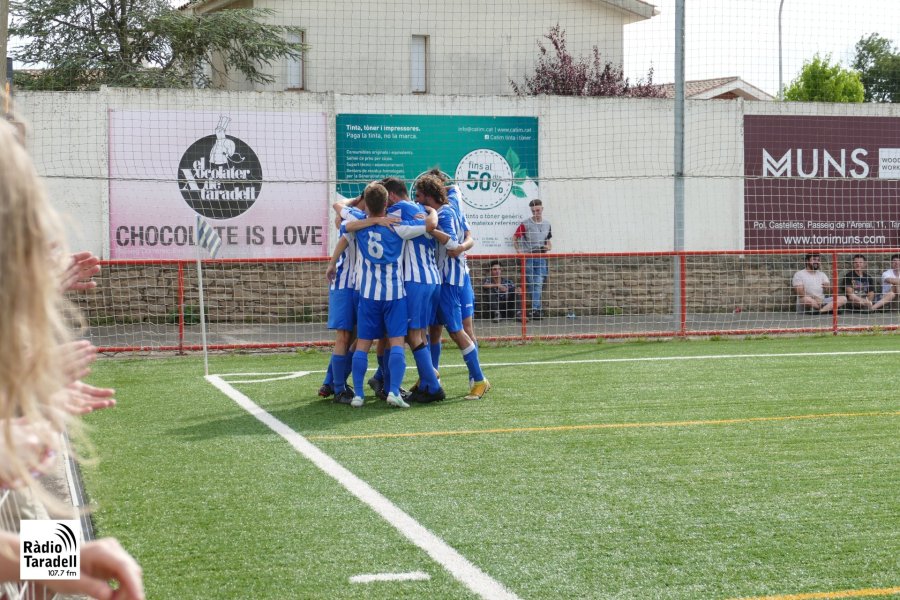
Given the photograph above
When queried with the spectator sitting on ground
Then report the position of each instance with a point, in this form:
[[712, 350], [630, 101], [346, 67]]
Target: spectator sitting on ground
[[858, 285], [499, 300], [810, 285], [890, 284]]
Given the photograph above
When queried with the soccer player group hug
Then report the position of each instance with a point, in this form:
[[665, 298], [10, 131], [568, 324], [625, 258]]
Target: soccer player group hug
[[399, 276]]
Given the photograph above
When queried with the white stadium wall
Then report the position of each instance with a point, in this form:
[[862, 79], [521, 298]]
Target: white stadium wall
[[609, 192]]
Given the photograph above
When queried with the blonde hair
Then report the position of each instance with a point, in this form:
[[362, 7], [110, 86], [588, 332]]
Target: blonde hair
[[33, 321]]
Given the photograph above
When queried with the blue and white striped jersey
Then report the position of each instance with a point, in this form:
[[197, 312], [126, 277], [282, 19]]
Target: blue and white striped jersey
[[345, 276], [454, 195], [379, 251], [419, 262], [452, 268]]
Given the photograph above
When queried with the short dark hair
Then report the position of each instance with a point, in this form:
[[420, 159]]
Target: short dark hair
[[855, 256], [395, 185], [376, 199], [809, 255], [893, 256], [535, 202], [492, 263]]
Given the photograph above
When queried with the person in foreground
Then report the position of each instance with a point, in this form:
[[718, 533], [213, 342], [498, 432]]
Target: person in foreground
[[41, 365]]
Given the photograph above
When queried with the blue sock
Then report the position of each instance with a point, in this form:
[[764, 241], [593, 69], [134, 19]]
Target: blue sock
[[435, 354], [347, 366], [360, 365], [386, 369], [379, 372], [397, 368], [338, 375], [427, 379], [470, 355], [329, 376]]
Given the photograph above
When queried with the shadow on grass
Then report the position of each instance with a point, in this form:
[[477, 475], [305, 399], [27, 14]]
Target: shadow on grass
[[305, 417]]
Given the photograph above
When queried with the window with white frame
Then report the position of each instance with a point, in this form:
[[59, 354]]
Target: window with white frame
[[418, 64], [293, 79]]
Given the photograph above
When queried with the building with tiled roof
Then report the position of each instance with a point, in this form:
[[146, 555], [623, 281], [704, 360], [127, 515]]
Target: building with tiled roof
[[720, 88]]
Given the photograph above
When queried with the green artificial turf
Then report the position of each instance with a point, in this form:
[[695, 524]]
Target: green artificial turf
[[616, 470]]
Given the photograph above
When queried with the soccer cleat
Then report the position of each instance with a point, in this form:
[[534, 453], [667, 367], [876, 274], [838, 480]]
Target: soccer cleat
[[357, 402], [326, 391], [396, 400], [423, 397], [345, 397], [479, 390], [377, 386], [415, 386], [405, 394]]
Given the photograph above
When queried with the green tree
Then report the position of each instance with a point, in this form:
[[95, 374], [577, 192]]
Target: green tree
[[142, 43], [878, 63], [820, 81]]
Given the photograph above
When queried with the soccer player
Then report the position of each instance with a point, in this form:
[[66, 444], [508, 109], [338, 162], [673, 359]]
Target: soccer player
[[422, 281], [382, 301], [467, 300], [343, 301], [431, 192]]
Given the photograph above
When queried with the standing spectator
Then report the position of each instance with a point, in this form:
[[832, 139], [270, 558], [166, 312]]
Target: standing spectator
[[858, 286], [533, 237], [890, 284], [810, 285], [499, 294]]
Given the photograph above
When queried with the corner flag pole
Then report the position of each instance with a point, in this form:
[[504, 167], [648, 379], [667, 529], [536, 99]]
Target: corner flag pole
[[202, 314]]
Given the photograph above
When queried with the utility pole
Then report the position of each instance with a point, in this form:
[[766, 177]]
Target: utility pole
[[780, 81], [4, 40]]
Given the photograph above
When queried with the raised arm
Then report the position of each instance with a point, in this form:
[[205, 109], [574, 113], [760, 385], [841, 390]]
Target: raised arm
[[331, 270]]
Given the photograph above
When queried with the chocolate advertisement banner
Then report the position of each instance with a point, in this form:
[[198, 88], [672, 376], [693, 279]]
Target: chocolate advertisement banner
[[258, 178]]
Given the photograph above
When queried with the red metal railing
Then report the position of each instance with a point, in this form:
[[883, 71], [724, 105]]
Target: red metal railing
[[525, 329]]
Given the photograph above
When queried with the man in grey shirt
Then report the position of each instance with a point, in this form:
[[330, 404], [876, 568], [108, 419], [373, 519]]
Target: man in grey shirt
[[533, 237]]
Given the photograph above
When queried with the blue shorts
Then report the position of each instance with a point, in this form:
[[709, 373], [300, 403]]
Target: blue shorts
[[342, 306], [449, 311], [377, 318], [421, 302], [467, 298]]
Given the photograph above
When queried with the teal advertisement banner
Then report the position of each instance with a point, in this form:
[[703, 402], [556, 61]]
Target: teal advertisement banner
[[493, 160]]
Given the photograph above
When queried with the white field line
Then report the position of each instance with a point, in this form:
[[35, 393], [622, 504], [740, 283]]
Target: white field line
[[413, 576], [273, 377], [456, 564], [588, 361]]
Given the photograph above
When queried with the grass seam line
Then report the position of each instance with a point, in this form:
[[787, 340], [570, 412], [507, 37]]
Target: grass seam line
[[591, 426], [440, 551]]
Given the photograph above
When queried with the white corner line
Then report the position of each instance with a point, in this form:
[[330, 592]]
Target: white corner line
[[413, 576], [442, 553], [278, 377]]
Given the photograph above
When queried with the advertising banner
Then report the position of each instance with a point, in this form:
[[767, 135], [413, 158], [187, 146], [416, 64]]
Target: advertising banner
[[258, 178], [493, 160], [821, 182]]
